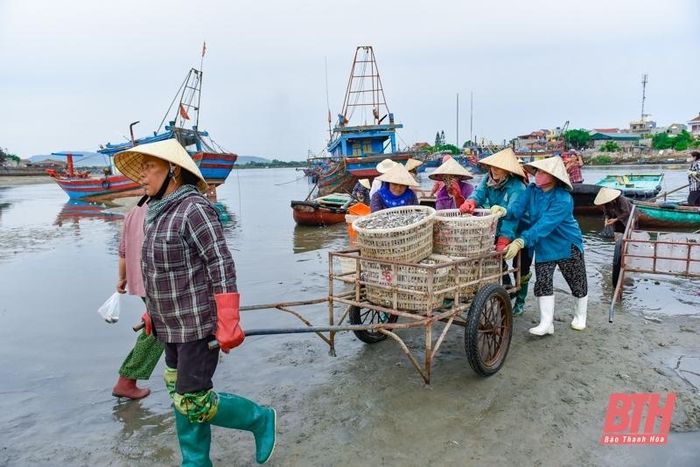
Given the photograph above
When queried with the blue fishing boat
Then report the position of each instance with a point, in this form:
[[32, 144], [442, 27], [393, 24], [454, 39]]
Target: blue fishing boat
[[635, 186], [361, 147], [214, 162]]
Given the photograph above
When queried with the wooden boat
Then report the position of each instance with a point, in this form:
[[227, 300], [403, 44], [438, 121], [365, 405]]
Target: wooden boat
[[667, 215], [214, 163], [634, 186], [361, 146], [324, 210], [583, 195]]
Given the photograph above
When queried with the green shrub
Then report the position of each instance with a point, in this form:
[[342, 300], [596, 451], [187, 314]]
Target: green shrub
[[610, 146]]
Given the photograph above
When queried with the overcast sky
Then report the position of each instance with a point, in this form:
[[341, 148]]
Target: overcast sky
[[74, 74]]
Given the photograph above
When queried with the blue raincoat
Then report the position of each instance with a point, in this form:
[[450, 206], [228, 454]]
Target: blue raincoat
[[505, 196], [553, 228]]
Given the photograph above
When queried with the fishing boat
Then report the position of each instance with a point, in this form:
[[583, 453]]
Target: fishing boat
[[634, 186], [324, 210], [213, 161], [667, 215], [356, 149]]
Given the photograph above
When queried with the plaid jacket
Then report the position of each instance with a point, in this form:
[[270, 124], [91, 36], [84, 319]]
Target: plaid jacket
[[694, 180], [185, 262]]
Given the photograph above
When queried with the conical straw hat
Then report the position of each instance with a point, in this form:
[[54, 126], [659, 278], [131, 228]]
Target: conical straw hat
[[451, 167], [398, 175], [385, 165], [605, 195], [129, 162], [365, 183], [412, 164], [506, 160], [554, 166]]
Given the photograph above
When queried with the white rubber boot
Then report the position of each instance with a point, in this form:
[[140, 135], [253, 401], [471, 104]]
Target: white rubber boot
[[579, 321], [546, 325]]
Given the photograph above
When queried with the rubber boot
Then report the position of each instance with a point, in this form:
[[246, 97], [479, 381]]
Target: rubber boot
[[579, 321], [519, 307], [195, 441], [243, 414], [126, 387], [546, 325]]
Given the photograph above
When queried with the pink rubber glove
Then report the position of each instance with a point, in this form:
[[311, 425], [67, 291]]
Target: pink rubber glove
[[228, 329]]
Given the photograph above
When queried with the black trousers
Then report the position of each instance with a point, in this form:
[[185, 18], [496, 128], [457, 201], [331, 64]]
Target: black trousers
[[573, 269], [694, 198], [195, 364]]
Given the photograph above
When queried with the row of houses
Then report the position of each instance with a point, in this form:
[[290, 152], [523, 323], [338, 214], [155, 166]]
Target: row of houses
[[548, 140]]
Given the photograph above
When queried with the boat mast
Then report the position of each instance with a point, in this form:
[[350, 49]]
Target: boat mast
[[364, 71]]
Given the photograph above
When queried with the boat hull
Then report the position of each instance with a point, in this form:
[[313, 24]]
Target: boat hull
[[311, 214], [366, 166], [641, 186], [653, 215], [114, 186], [215, 167]]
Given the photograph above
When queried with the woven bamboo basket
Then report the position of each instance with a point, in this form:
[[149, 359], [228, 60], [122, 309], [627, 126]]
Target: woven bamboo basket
[[475, 273], [455, 234], [412, 278], [410, 243]]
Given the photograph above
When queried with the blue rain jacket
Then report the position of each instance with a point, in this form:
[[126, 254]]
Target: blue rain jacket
[[505, 196], [553, 228]]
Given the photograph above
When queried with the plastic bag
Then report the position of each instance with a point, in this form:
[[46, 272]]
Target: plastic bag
[[110, 309]]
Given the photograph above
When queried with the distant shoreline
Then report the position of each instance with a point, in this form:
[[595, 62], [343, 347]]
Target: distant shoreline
[[15, 180]]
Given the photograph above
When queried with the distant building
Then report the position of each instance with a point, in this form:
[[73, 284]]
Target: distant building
[[49, 164], [605, 130], [642, 126], [624, 140], [694, 126], [675, 129], [533, 141]]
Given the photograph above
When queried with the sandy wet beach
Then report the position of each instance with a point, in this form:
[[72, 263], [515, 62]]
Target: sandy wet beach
[[367, 406]]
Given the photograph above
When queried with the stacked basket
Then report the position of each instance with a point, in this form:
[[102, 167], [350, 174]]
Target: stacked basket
[[432, 238], [412, 284], [409, 243], [463, 236]]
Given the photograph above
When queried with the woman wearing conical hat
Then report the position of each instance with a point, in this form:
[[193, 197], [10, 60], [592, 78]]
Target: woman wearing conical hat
[[616, 208], [555, 236], [382, 167], [361, 190], [395, 190], [504, 182], [455, 188], [191, 298]]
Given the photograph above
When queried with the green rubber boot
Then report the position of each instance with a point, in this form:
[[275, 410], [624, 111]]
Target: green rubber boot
[[243, 414], [195, 440], [519, 307]]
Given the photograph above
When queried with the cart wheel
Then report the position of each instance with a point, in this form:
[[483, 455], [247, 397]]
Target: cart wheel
[[489, 329], [617, 262], [368, 316]]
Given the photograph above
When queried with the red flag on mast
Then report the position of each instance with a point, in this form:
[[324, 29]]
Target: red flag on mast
[[183, 113]]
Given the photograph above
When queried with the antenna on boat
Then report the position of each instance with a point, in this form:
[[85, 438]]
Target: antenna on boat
[[457, 128], [131, 132], [328, 101]]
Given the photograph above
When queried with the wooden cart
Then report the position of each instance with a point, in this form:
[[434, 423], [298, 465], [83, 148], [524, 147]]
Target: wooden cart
[[475, 301]]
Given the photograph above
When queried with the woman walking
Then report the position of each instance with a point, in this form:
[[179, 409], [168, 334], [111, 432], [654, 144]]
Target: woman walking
[[191, 299]]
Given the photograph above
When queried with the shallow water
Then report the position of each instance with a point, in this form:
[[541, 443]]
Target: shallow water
[[58, 359]]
